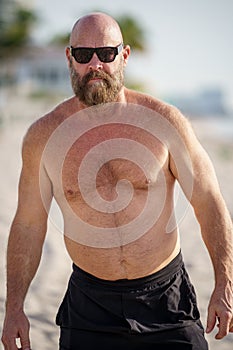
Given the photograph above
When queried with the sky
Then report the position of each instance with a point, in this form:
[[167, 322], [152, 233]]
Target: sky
[[189, 42]]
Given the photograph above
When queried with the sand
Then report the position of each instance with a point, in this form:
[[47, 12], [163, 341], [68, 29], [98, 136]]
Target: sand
[[50, 282]]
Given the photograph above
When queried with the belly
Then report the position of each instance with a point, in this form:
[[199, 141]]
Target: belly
[[118, 228], [130, 243], [137, 259]]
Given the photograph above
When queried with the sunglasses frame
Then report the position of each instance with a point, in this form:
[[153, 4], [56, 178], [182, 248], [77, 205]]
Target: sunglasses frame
[[117, 49]]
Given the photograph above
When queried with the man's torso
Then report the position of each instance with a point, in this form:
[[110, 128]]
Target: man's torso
[[113, 184]]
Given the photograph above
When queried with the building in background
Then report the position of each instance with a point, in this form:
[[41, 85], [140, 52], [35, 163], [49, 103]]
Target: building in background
[[205, 103]]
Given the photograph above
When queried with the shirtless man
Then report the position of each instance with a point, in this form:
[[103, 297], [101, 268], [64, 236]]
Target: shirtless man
[[129, 288]]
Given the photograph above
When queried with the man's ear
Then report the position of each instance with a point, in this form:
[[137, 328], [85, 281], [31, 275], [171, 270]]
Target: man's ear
[[68, 56], [126, 53]]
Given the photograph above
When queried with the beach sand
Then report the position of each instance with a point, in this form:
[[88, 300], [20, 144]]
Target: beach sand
[[50, 282]]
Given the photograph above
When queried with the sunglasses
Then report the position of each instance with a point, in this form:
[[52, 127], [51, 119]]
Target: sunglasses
[[105, 54]]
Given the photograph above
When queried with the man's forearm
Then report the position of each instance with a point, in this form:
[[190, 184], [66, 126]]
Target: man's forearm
[[23, 257], [217, 232]]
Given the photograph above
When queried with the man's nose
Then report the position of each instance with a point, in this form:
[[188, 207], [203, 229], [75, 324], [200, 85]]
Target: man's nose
[[95, 63]]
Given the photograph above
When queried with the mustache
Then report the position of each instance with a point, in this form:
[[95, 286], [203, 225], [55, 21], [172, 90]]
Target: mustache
[[96, 74]]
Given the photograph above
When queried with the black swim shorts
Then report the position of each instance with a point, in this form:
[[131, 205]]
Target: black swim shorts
[[156, 312]]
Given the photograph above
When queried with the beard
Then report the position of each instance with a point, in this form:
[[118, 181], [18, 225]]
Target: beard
[[104, 91]]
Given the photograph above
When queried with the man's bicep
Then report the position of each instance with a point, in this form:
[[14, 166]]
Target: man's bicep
[[197, 178], [35, 195], [205, 183], [35, 189]]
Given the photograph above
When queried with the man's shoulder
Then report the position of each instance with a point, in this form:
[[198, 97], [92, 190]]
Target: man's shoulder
[[166, 110], [41, 129], [170, 113], [46, 124]]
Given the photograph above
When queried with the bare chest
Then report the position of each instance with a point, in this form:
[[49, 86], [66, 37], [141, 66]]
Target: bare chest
[[104, 183], [110, 159]]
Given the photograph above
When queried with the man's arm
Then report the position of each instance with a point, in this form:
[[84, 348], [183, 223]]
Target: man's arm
[[26, 239], [215, 223]]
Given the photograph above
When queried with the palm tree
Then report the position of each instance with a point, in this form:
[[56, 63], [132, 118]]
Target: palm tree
[[133, 34], [15, 26]]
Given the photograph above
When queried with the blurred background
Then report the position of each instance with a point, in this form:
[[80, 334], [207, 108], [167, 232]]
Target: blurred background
[[181, 52]]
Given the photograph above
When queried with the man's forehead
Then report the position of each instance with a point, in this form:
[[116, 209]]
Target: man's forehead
[[94, 32], [105, 39]]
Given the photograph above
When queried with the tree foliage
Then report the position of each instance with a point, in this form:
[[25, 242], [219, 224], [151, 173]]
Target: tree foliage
[[133, 34], [15, 26]]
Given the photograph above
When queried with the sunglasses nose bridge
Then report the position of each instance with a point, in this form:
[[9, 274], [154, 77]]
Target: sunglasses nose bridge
[[95, 62]]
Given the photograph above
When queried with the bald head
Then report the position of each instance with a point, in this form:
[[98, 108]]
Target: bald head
[[96, 30]]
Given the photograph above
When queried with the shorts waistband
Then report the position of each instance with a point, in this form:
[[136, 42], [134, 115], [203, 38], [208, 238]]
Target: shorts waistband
[[158, 277]]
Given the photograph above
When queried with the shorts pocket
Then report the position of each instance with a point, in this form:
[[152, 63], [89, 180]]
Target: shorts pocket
[[181, 299]]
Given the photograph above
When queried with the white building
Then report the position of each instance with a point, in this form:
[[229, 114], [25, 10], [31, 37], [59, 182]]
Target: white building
[[37, 69]]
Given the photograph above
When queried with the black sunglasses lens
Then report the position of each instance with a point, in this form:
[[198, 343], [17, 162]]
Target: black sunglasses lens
[[106, 54], [83, 55]]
